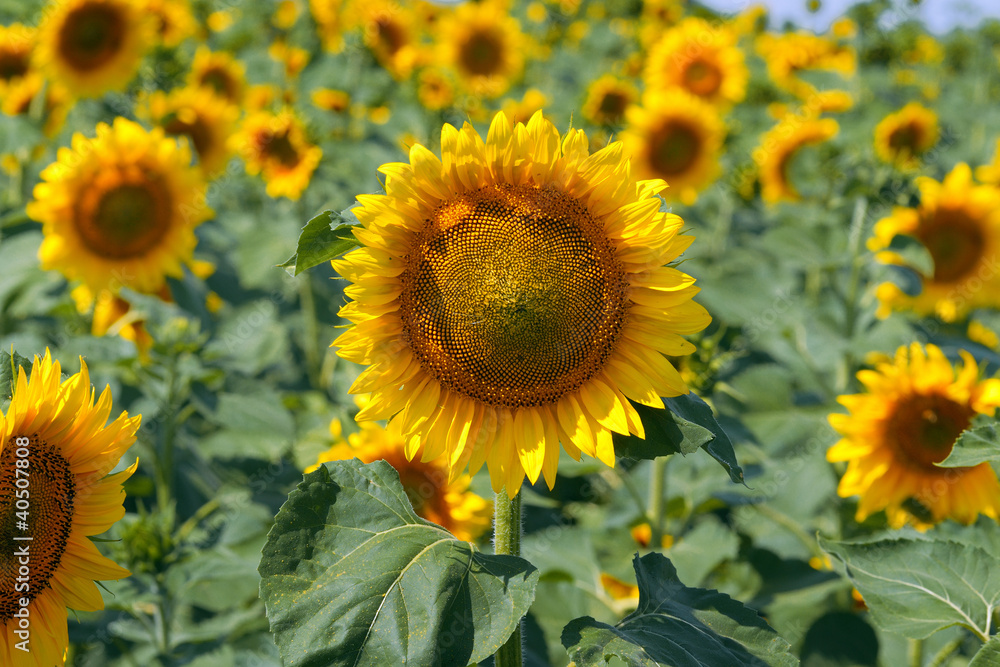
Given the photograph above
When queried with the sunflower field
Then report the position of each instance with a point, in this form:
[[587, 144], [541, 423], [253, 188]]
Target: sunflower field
[[513, 333]]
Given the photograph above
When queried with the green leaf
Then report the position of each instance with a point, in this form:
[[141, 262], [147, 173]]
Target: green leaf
[[914, 253], [352, 576], [686, 425], [988, 655], [9, 363], [917, 587], [326, 236], [675, 625], [975, 445]]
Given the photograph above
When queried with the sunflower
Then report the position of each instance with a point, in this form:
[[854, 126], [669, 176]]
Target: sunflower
[[511, 296], [902, 137], [657, 17], [990, 173], [790, 54], [16, 44], [92, 46], [912, 412], [435, 89], [275, 146], [389, 30], [779, 146], [21, 93], [174, 21], [203, 117], [69, 448], [114, 315], [701, 59], [520, 111], [330, 99], [219, 72], [677, 137], [607, 99], [959, 224], [120, 210], [484, 45], [450, 504], [328, 15]]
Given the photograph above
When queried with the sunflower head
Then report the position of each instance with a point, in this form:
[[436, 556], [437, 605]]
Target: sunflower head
[[448, 503], [120, 210], [959, 224], [788, 55], [56, 432], [203, 117], [607, 99], [902, 137], [511, 296], [676, 137], [389, 30], [778, 148], [92, 46], [435, 89], [912, 411], [484, 45], [16, 45], [329, 17], [173, 19], [275, 146], [220, 73]]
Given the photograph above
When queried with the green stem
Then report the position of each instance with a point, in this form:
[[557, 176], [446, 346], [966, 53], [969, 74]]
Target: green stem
[[507, 540], [946, 651], [165, 487], [853, 283], [657, 482], [916, 652], [311, 329]]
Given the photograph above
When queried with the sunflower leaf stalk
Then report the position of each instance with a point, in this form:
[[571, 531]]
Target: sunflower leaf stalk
[[507, 541]]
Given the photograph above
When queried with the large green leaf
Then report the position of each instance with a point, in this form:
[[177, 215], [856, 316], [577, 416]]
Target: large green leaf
[[326, 236], [352, 576], [917, 587], [978, 444], [678, 626], [686, 425], [988, 655]]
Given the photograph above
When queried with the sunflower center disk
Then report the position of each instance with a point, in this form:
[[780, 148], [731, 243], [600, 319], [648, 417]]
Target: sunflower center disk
[[219, 81], [194, 128], [12, 65], [702, 78], [482, 54], [906, 138], [924, 429], [279, 147], [513, 295], [674, 148], [125, 220], [38, 503], [955, 242], [92, 36]]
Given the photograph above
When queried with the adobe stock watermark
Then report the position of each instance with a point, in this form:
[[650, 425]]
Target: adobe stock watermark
[[22, 547]]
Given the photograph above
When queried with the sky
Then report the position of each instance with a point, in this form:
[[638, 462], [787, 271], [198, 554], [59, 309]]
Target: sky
[[939, 16]]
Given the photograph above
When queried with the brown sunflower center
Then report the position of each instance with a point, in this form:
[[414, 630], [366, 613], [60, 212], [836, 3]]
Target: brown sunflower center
[[278, 147], [390, 35], [13, 64], [219, 80], [36, 500], [613, 105], [513, 295], [908, 137], [91, 36], [482, 53], [124, 221], [193, 128], [673, 148], [955, 241], [702, 77], [923, 429]]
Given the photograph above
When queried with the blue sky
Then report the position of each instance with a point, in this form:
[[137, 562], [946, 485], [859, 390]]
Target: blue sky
[[938, 15]]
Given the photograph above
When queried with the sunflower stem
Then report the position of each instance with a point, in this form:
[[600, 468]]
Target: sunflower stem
[[916, 652], [657, 486], [854, 282], [311, 330], [946, 651], [165, 487], [507, 541]]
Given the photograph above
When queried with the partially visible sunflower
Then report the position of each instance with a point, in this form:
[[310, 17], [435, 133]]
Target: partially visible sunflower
[[113, 315], [93, 46], [16, 44], [203, 117], [276, 146], [657, 17], [607, 99], [902, 137], [677, 137], [448, 503], [520, 111], [484, 45], [330, 99], [787, 55], [435, 89], [120, 210], [173, 19], [69, 447], [912, 412], [959, 224], [219, 72], [512, 296], [390, 31], [19, 97], [292, 58], [779, 146], [329, 17], [990, 173], [701, 59]]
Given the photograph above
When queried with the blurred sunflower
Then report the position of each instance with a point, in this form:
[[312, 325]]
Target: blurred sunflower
[[789, 54], [70, 448], [120, 210], [16, 44], [902, 137], [449, 504], [520, 111], [779, 146], [329, 17], [435, 89], [607, 99], [113, 315], [390, 31], [657, 17], [292, 58], [990, 173], [275, 146], [959, 224], [173, 19], [912, 412], [511, 296], [330, 99], [93, 46], [702, 59], [219, 72], [204, 118], [677, 137], [484, 45]]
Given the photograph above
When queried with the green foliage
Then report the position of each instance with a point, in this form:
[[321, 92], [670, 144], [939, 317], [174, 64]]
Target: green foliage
[[975, 445], [677, 625], [325, 237], [352, 576], [10, 362]]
